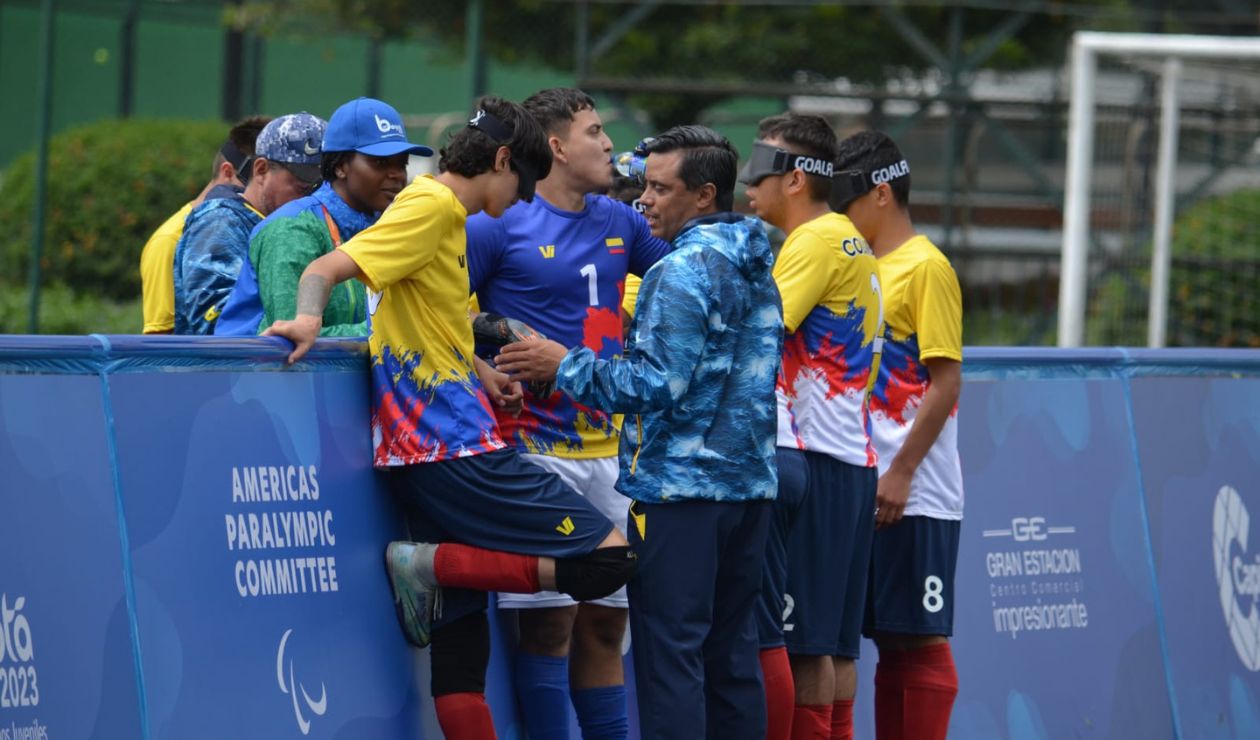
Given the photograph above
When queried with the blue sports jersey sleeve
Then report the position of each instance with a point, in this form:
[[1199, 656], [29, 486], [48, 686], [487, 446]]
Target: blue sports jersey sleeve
[[486, 240]]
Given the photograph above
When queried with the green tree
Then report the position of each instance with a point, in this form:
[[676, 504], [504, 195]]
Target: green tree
[[110, 184], [1214, 285], [718, 42]]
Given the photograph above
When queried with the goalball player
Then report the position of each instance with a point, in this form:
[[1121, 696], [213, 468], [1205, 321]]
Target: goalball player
[[910, 603], [818, 551]]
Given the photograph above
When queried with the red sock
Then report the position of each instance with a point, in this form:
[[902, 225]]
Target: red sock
[[464, 716], [463, 566], [889, 700], [811, 722], [842, 719], [776, 672], [931, 684]]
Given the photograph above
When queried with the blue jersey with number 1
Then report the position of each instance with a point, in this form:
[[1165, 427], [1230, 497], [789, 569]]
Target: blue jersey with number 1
[[563, 273]]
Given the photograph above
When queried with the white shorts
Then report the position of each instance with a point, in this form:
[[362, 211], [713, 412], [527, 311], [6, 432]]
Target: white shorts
[[594, 478]]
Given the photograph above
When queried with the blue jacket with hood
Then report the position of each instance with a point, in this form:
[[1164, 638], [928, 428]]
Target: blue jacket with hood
[[697, 380], [208, 257]]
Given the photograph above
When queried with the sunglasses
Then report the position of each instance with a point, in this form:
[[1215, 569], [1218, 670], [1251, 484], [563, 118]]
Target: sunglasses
[[309, 185]]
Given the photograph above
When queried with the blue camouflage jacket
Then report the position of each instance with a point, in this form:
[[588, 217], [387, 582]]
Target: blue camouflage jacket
[[208, 257], [697, 380]]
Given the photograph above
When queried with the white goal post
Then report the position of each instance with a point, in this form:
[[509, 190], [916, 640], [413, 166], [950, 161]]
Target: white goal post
[[1087, 46]]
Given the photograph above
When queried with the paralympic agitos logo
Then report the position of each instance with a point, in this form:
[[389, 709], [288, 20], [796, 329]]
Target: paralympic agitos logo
[[1237, 574], [290, 686]]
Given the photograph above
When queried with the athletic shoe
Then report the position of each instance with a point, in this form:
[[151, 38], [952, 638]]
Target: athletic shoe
[[410, 568]]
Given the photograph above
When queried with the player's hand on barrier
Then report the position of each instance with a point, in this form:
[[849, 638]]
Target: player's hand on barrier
[[302, 331], [534, 360], [504, 392], [890, 497]]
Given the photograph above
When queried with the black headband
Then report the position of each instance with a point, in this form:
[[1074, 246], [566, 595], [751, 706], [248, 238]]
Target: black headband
[[491, 125], [232, 154], [494, 127]]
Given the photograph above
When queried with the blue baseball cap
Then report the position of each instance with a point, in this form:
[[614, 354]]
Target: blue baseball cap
[[372, 127], [295, 141]]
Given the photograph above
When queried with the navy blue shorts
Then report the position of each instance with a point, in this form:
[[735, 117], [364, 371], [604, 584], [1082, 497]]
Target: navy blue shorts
[[911, 589], [497, 501], [828, 559], [793, 479]]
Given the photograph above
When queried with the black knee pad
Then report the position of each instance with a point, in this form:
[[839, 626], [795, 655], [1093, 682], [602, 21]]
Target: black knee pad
[[596, 574], [459, 654]]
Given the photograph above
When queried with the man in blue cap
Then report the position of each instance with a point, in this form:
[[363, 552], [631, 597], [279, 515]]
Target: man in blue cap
[[363, 166], [208, 256]]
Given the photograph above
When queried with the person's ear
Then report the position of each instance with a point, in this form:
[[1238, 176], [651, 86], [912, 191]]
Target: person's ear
[[261, 168], [502, 159], [557, 148], [883, 194], [227, 172], [794, 182], [706, 194], [343, 169]]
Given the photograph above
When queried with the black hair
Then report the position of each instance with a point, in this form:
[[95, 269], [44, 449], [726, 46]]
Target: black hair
[[804, 134], [707, 157], [870, 151], [625, 189], [242, 137], [556, 106], [330, 161], [470, 151]]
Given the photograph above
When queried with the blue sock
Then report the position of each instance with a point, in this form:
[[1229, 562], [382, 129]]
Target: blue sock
[[602, 713], [542, 690]]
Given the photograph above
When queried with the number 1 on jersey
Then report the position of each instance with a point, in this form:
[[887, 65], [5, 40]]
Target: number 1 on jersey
[[592, 283]]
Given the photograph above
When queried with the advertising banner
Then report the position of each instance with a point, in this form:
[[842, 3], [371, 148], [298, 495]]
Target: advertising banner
[[1199, 443], [257, 532], [192, 541], [1055, 628], [67, 669]]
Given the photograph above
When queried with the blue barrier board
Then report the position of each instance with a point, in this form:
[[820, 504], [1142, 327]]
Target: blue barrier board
[[67, 669], [191, 538], [1056, 632], [257, 532], [1199, 442]]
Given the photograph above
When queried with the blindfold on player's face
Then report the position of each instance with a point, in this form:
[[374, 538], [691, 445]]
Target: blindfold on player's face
[[767, 160], [849, 185]]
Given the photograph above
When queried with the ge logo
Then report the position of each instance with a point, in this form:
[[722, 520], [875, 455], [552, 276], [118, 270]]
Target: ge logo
[[1231, 523], [1026, 528], [290, 687]]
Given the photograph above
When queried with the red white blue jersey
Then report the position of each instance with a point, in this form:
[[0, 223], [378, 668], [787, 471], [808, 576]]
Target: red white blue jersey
[[563, 273], [923, 314], [829, 282]]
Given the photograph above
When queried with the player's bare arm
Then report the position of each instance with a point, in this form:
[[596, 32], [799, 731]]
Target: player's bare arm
[[938, 404], [314, 287]]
